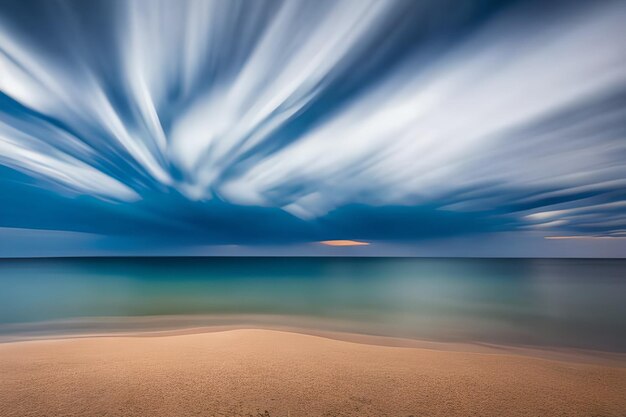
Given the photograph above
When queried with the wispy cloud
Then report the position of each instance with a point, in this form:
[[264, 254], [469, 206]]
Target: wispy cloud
[[503, 116]]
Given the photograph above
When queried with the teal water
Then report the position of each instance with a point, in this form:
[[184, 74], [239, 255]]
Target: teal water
[[537, 302]]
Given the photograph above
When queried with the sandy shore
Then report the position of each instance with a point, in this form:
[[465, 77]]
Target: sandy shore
[[274, 373]]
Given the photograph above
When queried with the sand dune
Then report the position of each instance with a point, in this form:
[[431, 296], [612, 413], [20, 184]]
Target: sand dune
[[274, 373]]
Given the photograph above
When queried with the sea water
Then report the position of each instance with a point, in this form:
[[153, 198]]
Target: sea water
[[536, 302]]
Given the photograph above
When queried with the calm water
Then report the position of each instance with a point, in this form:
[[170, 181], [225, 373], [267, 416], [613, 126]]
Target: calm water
[[573, 303]]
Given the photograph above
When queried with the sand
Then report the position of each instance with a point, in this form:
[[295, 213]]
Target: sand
[[276, 373]]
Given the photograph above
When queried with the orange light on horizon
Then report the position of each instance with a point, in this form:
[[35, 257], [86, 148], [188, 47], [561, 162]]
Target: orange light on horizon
[[581, 237], [343, 243]]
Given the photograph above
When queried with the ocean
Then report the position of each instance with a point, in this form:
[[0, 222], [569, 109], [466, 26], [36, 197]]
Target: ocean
[[573, 303]]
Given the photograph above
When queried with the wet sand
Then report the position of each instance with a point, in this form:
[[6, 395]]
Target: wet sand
[[278, 373]]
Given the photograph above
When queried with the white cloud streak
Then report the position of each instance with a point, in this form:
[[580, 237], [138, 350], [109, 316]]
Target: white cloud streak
[[204, 83]]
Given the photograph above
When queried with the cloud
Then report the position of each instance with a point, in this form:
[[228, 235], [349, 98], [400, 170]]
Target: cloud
[[343, 243], [296, 121]]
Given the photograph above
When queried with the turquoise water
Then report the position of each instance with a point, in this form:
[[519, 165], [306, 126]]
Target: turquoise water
[[537, 302]]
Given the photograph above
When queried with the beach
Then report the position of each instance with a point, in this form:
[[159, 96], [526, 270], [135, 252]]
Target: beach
[[257, 372]]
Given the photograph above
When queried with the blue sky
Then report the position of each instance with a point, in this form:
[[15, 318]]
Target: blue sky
[[425, 128]]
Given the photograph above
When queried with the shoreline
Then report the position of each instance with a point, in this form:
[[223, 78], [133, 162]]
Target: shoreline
[[277, 373], [562, 354]]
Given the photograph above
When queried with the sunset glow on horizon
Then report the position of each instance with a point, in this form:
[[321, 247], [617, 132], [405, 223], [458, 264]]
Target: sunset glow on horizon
[[343, 243]]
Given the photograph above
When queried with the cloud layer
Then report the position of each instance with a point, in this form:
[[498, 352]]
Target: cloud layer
[[291, 121]]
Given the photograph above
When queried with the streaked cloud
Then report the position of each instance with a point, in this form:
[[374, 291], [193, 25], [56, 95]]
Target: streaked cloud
[[303, 121]]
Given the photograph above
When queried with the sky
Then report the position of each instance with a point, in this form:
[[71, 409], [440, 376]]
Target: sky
[[225, 127]]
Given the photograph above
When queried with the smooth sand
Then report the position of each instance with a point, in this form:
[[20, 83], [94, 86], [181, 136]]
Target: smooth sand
[[274, 373]]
